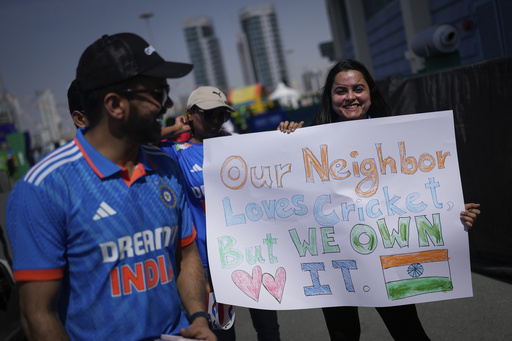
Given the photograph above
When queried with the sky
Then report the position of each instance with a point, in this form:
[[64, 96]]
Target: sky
[[41, 40]]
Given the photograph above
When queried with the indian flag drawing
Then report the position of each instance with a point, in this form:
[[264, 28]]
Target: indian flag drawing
[[416, 273]]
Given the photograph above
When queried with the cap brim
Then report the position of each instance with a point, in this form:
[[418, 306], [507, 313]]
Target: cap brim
[[169, 70], [207, 105]]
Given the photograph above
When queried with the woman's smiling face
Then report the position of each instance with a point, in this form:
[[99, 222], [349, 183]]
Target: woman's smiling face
[[350, 95]]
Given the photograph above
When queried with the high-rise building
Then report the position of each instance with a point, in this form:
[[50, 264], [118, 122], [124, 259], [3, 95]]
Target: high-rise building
[[313, 80], [204, 51], [49, 114], [245, 60], [263, 49]]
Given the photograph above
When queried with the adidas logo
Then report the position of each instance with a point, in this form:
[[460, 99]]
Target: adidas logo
[[196, 168], [104, 211]]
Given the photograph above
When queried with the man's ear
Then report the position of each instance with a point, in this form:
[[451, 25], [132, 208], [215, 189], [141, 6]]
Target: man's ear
[[189, 115], [115, 105], [79, 119]]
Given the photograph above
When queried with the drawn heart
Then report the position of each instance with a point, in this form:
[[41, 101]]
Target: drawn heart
[[249, 285], [275, 286]]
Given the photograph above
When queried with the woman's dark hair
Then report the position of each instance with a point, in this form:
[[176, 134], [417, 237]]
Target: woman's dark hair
[[326, 114]]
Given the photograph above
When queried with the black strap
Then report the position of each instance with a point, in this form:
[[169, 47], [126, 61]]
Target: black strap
[[199, 314]]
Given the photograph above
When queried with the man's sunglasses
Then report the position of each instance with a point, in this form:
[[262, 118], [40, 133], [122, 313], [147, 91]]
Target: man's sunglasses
[[220, 113], [161, 95]]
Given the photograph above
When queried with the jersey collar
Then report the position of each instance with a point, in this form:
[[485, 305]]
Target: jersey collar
[[102, 166]]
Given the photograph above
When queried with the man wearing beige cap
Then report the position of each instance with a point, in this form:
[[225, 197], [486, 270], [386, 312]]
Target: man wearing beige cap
[[207, 111]]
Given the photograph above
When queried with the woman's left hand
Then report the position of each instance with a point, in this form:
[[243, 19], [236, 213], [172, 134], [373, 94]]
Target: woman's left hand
[[289, 127], [470, 214]]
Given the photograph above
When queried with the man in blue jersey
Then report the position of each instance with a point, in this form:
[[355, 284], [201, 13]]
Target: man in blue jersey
[[101, 232], [207, 111]]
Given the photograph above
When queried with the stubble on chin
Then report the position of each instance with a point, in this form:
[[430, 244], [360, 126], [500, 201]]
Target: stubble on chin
[[156, 135], [143, 130]]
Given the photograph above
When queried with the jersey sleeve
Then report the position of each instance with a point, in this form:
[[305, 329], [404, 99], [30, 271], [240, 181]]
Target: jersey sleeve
[[188, 231], [36, 234], [169, 148]]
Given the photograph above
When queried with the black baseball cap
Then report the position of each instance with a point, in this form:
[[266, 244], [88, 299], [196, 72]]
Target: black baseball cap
[[115, 58]]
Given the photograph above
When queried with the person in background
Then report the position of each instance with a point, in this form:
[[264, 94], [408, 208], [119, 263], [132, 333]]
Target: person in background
[[12, 163], [350, 93], [207, 111], [104, 249]]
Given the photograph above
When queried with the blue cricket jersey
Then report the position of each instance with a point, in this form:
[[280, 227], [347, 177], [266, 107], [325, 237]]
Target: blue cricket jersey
[[190, 157], [111, 239]]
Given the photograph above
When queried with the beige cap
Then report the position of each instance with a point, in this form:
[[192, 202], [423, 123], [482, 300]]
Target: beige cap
[[208, 97]]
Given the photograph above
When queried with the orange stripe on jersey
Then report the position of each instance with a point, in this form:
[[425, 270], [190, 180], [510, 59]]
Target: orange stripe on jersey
[[147, 158], [38, 275], [88, 159], [188, 240]]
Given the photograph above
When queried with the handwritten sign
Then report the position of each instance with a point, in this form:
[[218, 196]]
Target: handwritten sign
[[361, 213]]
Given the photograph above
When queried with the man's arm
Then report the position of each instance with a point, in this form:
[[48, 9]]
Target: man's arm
[[191, 287], [38, 311], [180, 126]]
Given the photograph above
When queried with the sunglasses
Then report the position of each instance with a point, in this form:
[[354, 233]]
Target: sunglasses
[[161, 95], [219, 113]]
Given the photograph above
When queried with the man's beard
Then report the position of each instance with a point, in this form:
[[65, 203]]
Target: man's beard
[[142, 129]]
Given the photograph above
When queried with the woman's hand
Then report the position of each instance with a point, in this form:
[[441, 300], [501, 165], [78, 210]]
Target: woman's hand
[[289, 127], [470, 214]]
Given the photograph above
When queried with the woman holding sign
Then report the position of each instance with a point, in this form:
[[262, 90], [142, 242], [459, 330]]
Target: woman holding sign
[[207, 111], [350, 93]]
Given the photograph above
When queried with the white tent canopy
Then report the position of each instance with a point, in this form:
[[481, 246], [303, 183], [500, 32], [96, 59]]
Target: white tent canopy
[[286, 96]]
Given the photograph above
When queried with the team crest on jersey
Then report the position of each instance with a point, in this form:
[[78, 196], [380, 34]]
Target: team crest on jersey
[[168, 196]]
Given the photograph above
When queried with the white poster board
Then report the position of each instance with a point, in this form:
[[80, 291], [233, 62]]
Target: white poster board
[[359, 213]]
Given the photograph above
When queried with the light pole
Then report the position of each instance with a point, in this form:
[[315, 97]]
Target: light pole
[[146, 16]]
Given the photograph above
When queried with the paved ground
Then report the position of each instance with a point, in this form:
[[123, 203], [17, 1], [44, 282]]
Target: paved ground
[[485, 316]]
